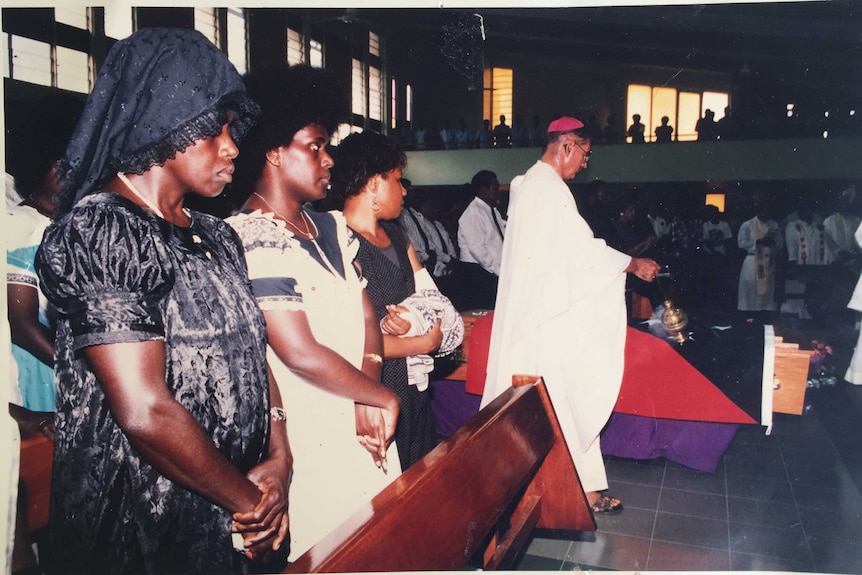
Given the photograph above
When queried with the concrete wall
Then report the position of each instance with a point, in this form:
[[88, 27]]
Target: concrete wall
[[749, 160]]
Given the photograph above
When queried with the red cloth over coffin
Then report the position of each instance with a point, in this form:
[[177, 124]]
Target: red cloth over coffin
[[659, 382], [480, 341]]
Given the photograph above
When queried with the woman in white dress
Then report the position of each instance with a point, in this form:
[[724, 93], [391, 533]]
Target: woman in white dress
[[325, 343]]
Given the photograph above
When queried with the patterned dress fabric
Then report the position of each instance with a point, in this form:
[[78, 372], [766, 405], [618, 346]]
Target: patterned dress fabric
[[424, 308], [390, 284], [117, 273], [318, 278]]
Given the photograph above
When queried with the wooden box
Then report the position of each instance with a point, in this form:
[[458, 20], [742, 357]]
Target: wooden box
[[791, 377]]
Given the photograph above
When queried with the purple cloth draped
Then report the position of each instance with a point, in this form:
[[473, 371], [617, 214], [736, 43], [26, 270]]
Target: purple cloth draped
[[698, 445], [695, 444], [452, 405]]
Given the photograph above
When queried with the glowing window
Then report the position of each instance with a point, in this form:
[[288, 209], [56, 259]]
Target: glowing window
[[486, 94], [408, 103], [295, 47], [373, 44], [236, 39], [207, 24], [689, 114], [73, 70], [315, 54], [31, 60], [341, 132], [498, 94], [663, 104], [118, 20], [72, 15], [683, 109], [638, 102], [4, 53], [715, 101], [375, 94], [358, 88], [716, 200], [393, 104]]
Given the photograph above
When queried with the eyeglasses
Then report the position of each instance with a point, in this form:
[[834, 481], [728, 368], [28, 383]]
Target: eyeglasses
[[587, 153]]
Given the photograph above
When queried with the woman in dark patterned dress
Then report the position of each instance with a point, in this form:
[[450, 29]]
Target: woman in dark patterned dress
[[169, 432], [367, 179]]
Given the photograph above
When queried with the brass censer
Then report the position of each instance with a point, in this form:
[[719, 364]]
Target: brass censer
[[674, 321]]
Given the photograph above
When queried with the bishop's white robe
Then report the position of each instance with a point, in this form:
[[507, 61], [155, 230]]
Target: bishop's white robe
[[560, 314]]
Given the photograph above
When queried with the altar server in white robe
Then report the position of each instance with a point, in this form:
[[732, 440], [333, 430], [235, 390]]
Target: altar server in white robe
[[854, 370], [561, 310], [762, 240]]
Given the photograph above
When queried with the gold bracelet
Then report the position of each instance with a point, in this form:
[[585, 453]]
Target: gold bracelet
[[278, 414], [373, 358]]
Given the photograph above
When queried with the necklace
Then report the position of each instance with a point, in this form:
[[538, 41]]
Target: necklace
[[309, 223], [147, 202], [305, 219]]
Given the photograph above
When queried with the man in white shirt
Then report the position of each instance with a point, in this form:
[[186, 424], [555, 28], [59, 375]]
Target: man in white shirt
[[481, 229], [438, 237], [659, 224], [413, 223], [445, 253], [717, 235], [429, 237]]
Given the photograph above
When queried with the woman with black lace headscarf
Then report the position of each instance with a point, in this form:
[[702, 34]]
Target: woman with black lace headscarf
[[169, 432]]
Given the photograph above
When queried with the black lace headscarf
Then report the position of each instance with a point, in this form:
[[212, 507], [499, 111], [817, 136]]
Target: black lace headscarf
[[159, 91]]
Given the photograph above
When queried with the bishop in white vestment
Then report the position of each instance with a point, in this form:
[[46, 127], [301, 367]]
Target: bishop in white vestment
[[561, 311]]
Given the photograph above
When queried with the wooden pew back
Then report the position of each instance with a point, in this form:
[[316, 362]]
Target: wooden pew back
[[477, 496]]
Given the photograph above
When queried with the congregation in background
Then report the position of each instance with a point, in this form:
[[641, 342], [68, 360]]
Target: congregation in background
[[186, 347]]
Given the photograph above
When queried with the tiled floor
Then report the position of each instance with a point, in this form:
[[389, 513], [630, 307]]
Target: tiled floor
[[785, 502]]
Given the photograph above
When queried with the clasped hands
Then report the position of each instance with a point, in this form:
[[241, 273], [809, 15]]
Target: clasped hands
[[375, 428], [265, 528]]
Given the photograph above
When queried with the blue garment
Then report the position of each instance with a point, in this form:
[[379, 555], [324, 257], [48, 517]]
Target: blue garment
[[35, 379]]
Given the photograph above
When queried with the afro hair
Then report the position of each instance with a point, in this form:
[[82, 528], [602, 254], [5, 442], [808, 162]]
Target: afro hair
[[290, 98], [41, 134]]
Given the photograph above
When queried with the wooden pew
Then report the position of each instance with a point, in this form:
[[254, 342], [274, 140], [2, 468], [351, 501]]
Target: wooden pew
[[473, 501]]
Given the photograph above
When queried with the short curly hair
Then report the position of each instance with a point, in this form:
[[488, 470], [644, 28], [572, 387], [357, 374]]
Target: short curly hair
[[360, 157], [482, 179], [290, 98]]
